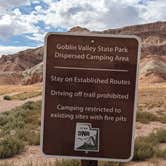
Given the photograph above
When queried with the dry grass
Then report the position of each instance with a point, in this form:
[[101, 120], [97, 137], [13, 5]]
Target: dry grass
[[152, 86], [6, 89], [23, 95]]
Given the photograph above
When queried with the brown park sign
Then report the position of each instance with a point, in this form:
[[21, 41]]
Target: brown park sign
[[89, 101]]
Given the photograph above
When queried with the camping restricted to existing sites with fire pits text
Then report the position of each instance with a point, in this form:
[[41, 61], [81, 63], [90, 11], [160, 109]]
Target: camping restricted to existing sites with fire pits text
[[89, 96]]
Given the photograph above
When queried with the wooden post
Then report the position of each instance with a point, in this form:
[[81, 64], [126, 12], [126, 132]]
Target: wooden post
[[89, 163]]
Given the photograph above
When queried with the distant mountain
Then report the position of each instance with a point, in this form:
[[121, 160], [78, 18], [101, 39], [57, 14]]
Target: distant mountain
[[153, 53], [19, 68], [153, 37], [25, 67], [79, 29], [22, 60]]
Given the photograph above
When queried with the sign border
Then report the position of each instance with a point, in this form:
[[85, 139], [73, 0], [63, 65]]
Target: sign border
[[93, 34]]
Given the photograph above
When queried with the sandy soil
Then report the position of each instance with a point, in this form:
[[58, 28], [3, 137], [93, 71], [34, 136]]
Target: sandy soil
[[7, 89], [31, 154], [154, 162], [146, 129]]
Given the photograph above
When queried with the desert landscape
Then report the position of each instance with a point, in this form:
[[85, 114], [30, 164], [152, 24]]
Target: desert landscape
[[21, 93]]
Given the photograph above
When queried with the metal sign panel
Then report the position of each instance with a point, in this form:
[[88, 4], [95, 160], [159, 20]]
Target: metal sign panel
[[89, 96]]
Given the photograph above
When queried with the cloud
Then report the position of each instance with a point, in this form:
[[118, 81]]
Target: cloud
[[65, 14], [36, 36], [38, 8], [17, 23], [5, 50], [9, 4], [36, 2], [153, 11], [103, 14]]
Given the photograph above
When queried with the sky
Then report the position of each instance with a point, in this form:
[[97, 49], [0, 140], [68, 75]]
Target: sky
[[24, 23]]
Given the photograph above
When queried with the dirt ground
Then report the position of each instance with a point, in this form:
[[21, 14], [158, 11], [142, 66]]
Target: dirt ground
[[31, 154], [7, 105]]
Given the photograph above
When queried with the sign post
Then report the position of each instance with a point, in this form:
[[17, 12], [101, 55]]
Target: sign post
[[89, 96]]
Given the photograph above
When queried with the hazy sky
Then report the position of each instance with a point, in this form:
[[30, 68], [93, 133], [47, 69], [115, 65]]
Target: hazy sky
[[23, 23]]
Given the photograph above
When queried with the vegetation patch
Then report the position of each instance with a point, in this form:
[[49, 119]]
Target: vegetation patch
[[63, 163], [143, 149], [19, 127], [147, 117], [161, 153], [10, 146], [7, 97], [23, 95], [147, 147]]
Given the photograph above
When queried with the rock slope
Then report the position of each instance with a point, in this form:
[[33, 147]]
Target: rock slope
[[26, 67]]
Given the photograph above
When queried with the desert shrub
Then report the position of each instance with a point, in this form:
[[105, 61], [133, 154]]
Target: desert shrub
[[162, 119], [34, 139], [22, 134], [7, 97], [24, 122], [30, 105], [160, 153], [144, 148], [146, 117], [3, 119], [9, 146], [161, 135], [147, 147], [23, 95]]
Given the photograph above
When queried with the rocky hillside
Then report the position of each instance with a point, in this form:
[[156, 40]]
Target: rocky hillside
[[153, 53], [22, 67], [26, 67], [21, 61], [153, 37]]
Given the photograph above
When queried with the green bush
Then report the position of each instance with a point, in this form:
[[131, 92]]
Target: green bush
[[34, 139], [144, 148], [23, 96], [147, 147], [24, 121], [26, 95], [161, 153], [161, 135], [30, 105], [7, 98], [162, 119], [9, 146]]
